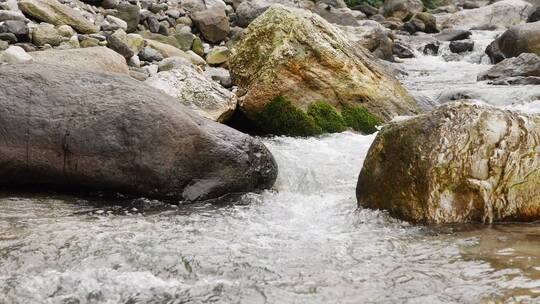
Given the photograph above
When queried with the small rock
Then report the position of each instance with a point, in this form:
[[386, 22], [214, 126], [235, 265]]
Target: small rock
[[12, 15], [526, 64], [117, 41], [432, 48], [46, 34], [220, 75], [153, 24], [66, 31], [130, 14], [17, 28], [212, 23], [8, 37], [3, 45], [150, 54], [15, 54], [402, 51], [218, 55], [461, 46], [453, 35], [117, 23]]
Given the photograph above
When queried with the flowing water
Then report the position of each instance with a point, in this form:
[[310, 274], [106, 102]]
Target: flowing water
[[303, 242]]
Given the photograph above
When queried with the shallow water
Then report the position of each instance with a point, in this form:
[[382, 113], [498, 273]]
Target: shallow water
[[304, 242]]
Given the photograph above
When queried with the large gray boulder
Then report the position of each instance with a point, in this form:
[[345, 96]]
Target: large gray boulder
[[525, 65], [71, 128], [463, 162], [504, 13], [519, 39]]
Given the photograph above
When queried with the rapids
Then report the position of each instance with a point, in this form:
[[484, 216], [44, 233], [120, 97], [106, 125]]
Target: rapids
[[303, 242]]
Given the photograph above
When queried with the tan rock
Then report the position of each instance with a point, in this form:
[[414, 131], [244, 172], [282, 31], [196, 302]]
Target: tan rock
[[463, 162], [298, 55], [91, 58], [52, 11]]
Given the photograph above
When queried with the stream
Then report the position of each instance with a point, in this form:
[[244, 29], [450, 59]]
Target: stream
[[306, 241]]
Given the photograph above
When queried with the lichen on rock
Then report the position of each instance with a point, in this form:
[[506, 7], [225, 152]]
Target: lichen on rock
[[298, 55], [463, 162]]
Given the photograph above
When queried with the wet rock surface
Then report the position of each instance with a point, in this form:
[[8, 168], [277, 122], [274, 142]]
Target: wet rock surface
[[96, 130], [461, 163]]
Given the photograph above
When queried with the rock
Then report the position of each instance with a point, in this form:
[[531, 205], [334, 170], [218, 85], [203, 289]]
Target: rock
[[135, 42], [47, 34], [212, 23], [470, 5], [153, 24], [166, 50], [195, 91], [372, 36], [12, 15], [8, 37], [534, 16], [219, 75], [494, 53], [453, 35], [53, 12], [248, 10], [218, 55], [197, 46], [66, 31], [518, 80], [312, 63], [185, 40], [14, 54], [461, 46], [130, 14], [116, 23], [367, 9], [414, 25], [140, 76], [87, 42], [106, 131], [429, 21], [117, 41], [160, 38], [17, 28], [91, 58], [504, 13], [431, 48], [340, 16], [401, 50], [519, 39], [526, 64], [150, 54], [401, 8], [461, 163], [3, 45]]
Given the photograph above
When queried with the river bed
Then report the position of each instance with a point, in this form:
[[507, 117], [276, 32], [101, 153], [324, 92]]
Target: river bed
[[306, 241]]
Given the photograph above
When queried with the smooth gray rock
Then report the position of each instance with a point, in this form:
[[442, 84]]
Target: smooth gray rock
[[77, 129], [453, 35], [526, 64]]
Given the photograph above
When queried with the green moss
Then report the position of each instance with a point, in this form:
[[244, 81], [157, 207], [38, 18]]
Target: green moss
[[360, 120], [282, 117], [326, 117]]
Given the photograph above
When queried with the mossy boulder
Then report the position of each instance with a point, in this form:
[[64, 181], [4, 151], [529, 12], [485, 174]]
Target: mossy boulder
[[463, 162], [298, 55], [281, 117], [326, 117], [360, 120]]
